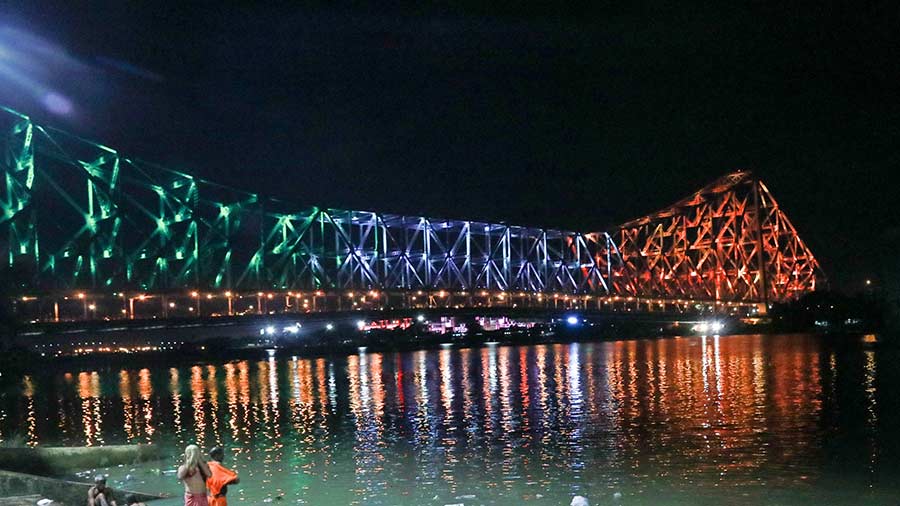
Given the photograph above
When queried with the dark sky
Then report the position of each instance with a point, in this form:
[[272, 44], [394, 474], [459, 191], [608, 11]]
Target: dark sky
[[578, 119]]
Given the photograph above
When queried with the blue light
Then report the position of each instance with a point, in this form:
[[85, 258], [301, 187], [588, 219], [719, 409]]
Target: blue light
[[573, 320]]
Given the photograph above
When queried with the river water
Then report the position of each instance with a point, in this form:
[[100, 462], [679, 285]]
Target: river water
[[776, 420]]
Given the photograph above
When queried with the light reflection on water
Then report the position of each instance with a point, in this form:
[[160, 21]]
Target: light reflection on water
[[685, 421]]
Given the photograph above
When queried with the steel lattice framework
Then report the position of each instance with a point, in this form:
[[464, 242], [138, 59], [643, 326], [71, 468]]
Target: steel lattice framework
[[79, 216], [729, 241]]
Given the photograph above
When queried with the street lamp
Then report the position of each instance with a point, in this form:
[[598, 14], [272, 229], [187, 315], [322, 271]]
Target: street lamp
[[83, 298], [195, 294], [140, 297]]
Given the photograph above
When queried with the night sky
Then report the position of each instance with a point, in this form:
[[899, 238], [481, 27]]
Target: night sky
[[577, 120]]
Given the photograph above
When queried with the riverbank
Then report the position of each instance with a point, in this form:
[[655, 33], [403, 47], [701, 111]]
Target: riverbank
[[324, 338], [269, 336]]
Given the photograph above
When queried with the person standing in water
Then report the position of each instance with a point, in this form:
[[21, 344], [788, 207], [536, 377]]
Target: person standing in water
[[194, 473], [220, 478]]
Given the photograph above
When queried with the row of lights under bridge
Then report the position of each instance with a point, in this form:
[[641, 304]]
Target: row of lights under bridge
[[141, 305]]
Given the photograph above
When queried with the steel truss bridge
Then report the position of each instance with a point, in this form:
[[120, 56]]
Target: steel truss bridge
[[80, 222]]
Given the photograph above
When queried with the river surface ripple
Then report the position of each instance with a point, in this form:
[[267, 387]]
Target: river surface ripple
[[790, 420]]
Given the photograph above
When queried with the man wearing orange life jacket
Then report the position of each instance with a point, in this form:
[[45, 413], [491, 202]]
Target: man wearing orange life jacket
[[220, 478]]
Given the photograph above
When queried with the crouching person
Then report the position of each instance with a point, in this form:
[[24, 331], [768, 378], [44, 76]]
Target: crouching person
[[100, 494]]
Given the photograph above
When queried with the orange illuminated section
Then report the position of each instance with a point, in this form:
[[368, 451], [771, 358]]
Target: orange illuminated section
[[729, 242]]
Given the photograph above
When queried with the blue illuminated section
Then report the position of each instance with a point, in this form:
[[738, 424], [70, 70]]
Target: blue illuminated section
[[140, 225]]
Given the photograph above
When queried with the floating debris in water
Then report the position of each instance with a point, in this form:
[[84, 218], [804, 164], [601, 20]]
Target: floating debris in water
[[579, 500]]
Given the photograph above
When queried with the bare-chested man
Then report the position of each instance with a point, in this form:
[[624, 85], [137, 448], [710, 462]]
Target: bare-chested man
[[194, 473]]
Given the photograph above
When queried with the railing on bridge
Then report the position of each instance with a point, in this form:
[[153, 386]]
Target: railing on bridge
[[79, 217]]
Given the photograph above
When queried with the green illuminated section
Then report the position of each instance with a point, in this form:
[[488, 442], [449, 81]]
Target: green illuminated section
[[105, 221]]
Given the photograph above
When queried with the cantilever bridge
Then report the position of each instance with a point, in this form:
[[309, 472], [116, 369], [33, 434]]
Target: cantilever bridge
[[81, 222]]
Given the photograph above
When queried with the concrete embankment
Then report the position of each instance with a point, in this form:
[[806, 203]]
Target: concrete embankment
[[30, 471], [61, 491], [58, 461], [20, 500]]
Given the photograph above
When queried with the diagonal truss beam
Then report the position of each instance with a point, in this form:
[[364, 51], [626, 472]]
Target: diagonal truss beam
[[78, 215]]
